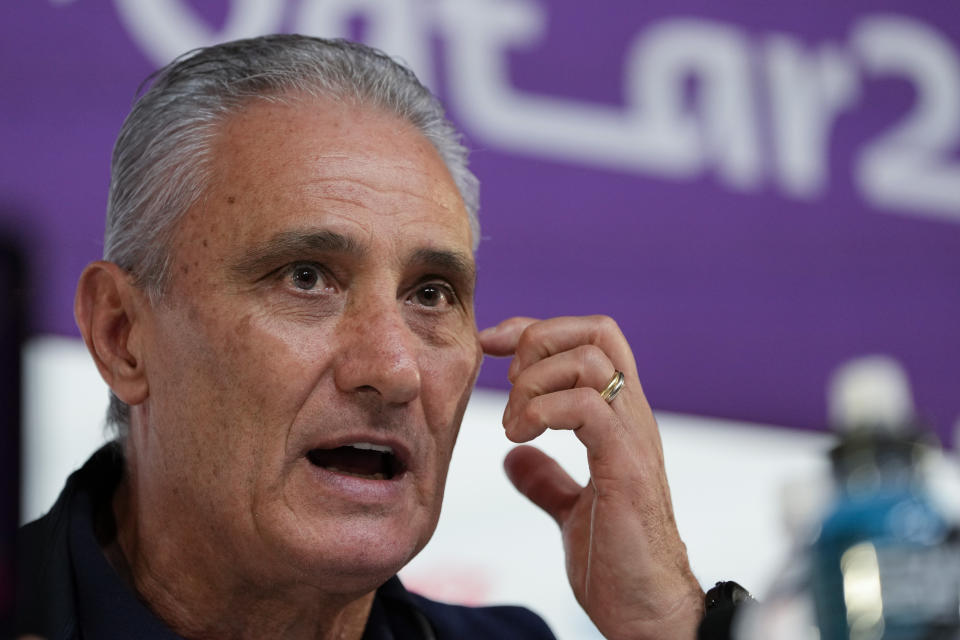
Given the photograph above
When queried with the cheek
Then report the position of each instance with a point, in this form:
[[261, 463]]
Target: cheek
[[272, 367], [242, 376], [448, 375]]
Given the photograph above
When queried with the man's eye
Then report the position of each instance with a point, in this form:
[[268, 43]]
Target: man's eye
[[434, 295], [305, 276]]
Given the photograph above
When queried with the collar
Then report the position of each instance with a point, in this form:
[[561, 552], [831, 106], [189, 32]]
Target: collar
[[106, 606]]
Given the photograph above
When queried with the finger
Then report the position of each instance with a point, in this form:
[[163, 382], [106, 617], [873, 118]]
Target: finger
[[544, 482], [567, 409], [543, 339], [501, 340], [583, 366]]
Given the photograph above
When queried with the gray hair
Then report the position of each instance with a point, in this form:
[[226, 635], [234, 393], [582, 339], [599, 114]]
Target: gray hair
[[161, 160]]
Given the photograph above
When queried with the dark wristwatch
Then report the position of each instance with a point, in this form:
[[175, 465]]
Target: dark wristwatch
[[720, 604]]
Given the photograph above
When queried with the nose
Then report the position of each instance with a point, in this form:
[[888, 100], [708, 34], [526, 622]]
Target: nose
[[378, 354]]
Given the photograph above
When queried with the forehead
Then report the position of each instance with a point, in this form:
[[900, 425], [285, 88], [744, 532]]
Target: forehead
[[313, 163]]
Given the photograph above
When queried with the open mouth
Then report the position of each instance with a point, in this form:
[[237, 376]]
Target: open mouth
[[360, 459]]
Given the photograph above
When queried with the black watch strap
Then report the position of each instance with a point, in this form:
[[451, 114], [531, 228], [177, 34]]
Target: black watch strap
[[720, 605]]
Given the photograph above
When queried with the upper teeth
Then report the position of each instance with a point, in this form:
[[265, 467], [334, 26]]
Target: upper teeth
[[371, 447]]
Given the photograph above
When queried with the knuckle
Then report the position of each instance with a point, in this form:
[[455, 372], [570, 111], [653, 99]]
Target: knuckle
[[591, 356], [530, 336], [582, 398], [532, 413], [523, 390], [606, 324], [587, 396]]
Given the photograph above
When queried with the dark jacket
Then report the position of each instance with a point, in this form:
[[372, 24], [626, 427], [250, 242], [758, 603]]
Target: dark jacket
[[67, 589]]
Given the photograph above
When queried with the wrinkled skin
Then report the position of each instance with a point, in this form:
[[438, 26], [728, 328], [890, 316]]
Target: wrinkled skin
[[626, 563], [321, 294]]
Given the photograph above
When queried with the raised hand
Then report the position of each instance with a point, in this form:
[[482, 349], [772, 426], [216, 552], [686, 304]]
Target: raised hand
[[625, 560]]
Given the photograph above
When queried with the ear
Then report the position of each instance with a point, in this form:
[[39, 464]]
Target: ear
[[107, 309]]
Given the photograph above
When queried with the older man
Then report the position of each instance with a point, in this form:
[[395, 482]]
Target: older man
[[285, 318]]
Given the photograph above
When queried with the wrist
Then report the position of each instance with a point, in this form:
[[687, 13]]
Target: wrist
[[681, 622]]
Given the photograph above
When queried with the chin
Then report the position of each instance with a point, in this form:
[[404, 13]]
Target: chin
[[357, 555]]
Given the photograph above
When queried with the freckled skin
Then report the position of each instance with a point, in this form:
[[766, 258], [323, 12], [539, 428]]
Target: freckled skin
[[222, 522]]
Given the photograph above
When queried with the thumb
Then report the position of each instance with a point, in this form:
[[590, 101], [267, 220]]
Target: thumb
[[544, 482]]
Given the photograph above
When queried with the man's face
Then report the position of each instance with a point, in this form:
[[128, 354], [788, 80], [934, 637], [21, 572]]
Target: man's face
[[311, 360]]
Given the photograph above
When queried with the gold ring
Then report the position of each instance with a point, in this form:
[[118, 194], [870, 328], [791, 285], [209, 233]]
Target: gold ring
[[613, 387]]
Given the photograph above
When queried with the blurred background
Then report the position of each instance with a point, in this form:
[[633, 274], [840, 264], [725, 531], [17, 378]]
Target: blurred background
[[758, 192]]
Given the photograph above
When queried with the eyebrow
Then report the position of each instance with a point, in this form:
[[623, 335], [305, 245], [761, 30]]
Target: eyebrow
[[288, 245], [458, 265], [292, 244]]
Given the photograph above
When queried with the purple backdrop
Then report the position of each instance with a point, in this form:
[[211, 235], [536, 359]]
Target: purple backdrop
[[755, 191]]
